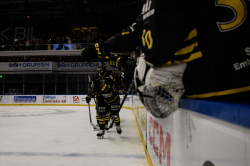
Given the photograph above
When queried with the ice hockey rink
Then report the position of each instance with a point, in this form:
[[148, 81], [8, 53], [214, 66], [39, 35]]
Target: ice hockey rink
[[63, 136]]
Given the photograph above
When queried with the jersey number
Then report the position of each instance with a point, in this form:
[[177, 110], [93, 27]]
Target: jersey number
[[240, 12], [97, 49], [147, 39]]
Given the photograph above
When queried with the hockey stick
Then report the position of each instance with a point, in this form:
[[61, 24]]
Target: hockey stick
[[90, 118], [130, 86], [89, 110]]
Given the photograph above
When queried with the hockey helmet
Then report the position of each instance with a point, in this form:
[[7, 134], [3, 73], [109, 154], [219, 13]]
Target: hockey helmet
[[136, 53], [101, 66]]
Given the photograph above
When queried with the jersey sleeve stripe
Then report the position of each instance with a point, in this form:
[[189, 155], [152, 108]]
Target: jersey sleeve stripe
[[186, 50], [191, 35]]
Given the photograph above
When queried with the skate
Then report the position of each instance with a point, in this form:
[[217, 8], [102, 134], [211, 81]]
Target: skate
[[96, 128], [106, 127], [100, 135], [118, 129]]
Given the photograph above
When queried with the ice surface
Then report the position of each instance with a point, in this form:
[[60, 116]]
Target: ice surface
[[63, 136]]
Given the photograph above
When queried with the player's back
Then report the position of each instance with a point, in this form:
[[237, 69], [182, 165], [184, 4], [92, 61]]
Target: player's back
[[219, 65]]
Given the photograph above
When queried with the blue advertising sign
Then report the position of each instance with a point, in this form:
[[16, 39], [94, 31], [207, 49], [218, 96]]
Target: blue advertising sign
[[24, 98], [49, 97]]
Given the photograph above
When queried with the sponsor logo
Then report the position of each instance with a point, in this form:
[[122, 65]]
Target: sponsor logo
[[49, 97], [29, 64], [161, 143], [102, 109], [53, 99], [248, 51], [115, 106], [241, 65], [76, 65], [25, 98], [107, 95], [76, 98]]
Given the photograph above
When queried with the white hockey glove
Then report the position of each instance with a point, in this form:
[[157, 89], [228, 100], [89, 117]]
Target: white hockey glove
[[159, 88]]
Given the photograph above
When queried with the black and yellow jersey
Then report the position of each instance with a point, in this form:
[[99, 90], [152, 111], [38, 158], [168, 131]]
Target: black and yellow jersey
[[107, 84], [211, 36]]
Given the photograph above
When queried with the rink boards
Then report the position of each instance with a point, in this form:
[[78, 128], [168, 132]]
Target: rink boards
[[49, 99], [197, 134]]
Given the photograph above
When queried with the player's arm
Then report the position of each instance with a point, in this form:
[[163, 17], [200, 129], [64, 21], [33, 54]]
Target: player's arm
[[128, 39], [125, 41], [92, 91]]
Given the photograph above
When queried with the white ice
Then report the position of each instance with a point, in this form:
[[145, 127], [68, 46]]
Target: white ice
[[63, 136]]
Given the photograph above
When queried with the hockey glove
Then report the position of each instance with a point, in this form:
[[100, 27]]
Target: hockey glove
[[141, 72], [159, 88], [95, 51], [88, 99], [118, 61]]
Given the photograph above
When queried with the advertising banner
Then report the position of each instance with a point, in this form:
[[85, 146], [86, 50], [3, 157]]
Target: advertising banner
[[45, 66], [4, 99], [160, 140], [78, 99], [22, 99], [1, 99], [79, 66], [75, 66], [21, 66], [50, 99], [56, 99]]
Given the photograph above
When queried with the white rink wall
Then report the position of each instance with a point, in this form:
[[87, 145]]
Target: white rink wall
[[186, 138], [189, 138]]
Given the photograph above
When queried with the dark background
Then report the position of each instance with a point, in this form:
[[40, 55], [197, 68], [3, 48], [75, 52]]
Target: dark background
[[48, 16]]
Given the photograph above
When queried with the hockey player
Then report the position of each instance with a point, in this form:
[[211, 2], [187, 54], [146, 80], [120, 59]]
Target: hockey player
[[206, 39], [105, 85]]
